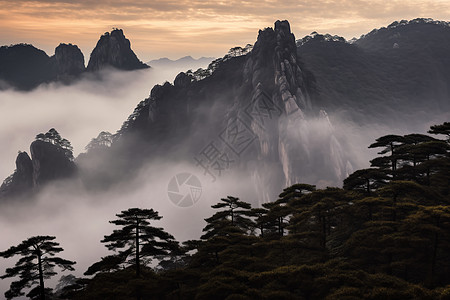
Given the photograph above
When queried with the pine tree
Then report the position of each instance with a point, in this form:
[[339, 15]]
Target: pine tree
[[138, 239], [235, 213], [366, 180], [441, 129], [103, 140], [390, 144], [53, 137], [37, 263]]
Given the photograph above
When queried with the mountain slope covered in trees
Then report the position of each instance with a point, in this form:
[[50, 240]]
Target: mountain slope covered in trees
[[388, 240]]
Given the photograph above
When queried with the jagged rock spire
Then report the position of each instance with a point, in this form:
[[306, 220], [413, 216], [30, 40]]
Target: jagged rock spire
[[114, 50]]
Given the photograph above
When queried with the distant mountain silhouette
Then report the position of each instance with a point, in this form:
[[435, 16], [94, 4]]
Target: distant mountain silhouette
[[187, 62], [24, 67], [272, 92], [405, 66]]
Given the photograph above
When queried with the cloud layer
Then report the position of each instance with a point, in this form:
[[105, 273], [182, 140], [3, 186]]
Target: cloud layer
[[79, 112]]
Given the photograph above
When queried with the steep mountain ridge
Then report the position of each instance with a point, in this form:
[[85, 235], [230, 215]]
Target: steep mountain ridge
[[264, 114], [48, 163], [244, 117], [187, 62], [24, 67], [114, 50], [69, 61], [402, 68]]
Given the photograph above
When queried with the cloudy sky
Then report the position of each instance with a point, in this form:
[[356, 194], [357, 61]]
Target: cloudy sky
[[168, 28]]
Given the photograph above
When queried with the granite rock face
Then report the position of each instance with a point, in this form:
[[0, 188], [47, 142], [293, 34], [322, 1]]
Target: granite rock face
[[114, 50], [24, 67], [48, 162], [69, 61], [262, 114], [275, 103], [21, 181], [248, 110]]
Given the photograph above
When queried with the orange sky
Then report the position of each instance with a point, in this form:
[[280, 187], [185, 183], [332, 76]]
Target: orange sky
[[199, 28]]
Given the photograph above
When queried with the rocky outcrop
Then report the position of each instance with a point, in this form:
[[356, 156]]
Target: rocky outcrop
[[182, 80], [48, 162], [247, 113], [24, 170], [69, 61], [276, 105], [24, 66], [114, 50], [21, 181]]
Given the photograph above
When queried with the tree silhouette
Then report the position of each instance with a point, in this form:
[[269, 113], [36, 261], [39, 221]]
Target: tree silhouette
[[103, 140], [138, 239], [365, 180], [441, 129], [52, 136], [378, 238], [390, 143], [236, 213], [37, 263]]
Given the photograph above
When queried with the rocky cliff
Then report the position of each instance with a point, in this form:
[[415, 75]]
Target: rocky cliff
[[114, 50], [25, 67], [48, 163], [264, 113], [247, 113], [69, 61]]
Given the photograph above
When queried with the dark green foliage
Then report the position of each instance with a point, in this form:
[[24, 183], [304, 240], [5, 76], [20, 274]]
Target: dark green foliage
[[236, 213], [441, 129], [139, 240], [366, 180], [407, 62], [385, 236]]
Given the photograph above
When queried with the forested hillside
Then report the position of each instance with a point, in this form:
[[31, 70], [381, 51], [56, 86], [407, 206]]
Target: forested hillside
[[385, 235]]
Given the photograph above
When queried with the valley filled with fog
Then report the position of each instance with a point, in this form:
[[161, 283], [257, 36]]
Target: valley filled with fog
[[319, 143], [79, 218]]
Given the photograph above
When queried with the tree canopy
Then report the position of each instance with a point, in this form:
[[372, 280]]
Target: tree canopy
[[385, 235], [37, 262], [52, 136], [136, 240]]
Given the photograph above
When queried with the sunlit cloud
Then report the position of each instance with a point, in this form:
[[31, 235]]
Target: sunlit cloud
[[200, 28]]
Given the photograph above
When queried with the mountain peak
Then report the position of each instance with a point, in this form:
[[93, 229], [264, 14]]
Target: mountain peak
[[69, 60], [283, 26], [114, 50]]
